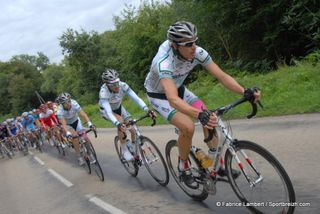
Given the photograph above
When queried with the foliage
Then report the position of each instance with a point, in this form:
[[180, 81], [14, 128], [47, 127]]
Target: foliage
[[255, 36]]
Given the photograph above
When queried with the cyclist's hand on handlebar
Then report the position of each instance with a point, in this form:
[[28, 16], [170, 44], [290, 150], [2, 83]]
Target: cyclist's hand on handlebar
[[208, 119], [121, 127], [253, 94], [152, 114], [69, 135]]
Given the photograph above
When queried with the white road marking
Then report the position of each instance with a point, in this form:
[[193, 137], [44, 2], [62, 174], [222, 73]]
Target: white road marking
[[39, 160], [60, 178], [104, 205], [30, 153]]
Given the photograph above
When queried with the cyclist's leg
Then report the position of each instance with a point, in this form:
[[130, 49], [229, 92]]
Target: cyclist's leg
[[73, 128], [186, 130], [126, 118]]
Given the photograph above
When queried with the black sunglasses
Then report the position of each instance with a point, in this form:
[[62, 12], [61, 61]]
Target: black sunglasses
[[187, 44]]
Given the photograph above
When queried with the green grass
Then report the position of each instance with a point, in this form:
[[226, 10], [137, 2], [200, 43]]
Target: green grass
[[289, 90]]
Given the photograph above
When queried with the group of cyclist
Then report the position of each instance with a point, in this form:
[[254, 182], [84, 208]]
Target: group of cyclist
[[175, 59]]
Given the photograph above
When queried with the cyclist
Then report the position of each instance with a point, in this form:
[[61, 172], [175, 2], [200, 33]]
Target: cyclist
[[110, 98], [176, 58], [12, 127], [68, 115], [28, 123], [53, 106], [48, 121]]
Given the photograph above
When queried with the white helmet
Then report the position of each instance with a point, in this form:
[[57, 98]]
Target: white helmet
[[24, 114], [181, 30], [64, 97], [110, 76]]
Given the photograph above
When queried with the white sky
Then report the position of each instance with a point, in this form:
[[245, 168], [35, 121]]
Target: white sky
[[31, 26]]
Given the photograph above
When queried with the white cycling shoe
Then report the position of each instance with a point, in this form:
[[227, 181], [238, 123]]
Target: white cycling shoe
[[127, 155]]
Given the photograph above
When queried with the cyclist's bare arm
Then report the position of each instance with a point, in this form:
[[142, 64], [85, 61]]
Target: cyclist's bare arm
[[84, 115], [224, 78], [64, 125], [175, 101]]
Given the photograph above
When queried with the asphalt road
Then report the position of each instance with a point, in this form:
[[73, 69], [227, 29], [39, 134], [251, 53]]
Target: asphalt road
[[29, 184]]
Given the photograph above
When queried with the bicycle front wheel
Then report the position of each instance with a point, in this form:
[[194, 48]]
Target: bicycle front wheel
[[154, 161], [266, 188], [131, 166], [96, 165]]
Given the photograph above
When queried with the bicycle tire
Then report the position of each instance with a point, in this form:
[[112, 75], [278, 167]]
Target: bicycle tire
[[258, 155], [87, 164], [150, 154], [172, 154], [97, 167], [8, 152], [132, 166], [38, 146]]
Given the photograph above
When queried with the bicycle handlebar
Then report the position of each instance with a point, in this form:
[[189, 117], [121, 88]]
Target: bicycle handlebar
[[132, 122], [220, 111], [86, 131]]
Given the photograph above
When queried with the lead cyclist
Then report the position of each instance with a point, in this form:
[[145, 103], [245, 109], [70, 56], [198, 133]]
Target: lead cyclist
[[176, 58]]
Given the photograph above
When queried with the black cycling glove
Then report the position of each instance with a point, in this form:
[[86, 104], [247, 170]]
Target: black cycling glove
[[204, 117]]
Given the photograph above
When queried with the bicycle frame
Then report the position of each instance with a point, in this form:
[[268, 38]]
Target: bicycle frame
[[229, 143], [133, 125]]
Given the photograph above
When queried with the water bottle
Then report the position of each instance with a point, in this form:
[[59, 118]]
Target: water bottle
[[205, 161], [130, 145]]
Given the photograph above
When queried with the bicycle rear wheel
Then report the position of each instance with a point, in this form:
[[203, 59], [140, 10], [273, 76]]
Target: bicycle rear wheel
[[96, 165], [271, 190], [154, 161], [172, 156], [131, 166]]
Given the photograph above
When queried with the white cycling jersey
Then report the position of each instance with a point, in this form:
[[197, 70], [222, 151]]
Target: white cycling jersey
[[167, 64], [71, 115], [109, 101]]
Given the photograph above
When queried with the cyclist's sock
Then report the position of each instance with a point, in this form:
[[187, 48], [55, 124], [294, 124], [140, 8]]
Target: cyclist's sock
[[212, 153], [183, 165]]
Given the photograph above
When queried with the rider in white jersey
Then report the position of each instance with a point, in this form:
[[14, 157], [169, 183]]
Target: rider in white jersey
[[175, 59], [68, 115], [111, 95]]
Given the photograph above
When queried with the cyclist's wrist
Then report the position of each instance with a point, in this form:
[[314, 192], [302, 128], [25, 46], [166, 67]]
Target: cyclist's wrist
[[90, 124]]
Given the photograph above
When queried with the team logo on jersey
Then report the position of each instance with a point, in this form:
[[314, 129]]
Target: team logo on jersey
[[164, 109], [201, 52]]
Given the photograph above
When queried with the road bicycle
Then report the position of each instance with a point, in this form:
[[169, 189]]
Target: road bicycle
[[60, 142], [88, 153], [262, 181], [4, 149], [145, 152]]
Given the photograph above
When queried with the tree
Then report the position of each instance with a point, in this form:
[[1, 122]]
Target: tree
[[83, 52]]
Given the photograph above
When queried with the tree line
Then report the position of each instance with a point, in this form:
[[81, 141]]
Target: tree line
[[248, 35]]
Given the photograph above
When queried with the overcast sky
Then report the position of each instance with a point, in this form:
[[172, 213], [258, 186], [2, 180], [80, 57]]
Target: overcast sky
[[31, 26]]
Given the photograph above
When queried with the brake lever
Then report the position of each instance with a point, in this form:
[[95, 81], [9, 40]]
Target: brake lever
[[124, 135], [254, 110], [154, 122], [209, 138], [95, 133]]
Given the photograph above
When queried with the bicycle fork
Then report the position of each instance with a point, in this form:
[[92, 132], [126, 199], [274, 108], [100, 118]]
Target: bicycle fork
[[251, 182]]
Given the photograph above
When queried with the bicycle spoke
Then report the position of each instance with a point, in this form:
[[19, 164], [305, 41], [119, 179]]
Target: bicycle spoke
[[131, 166], [264, 181]]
